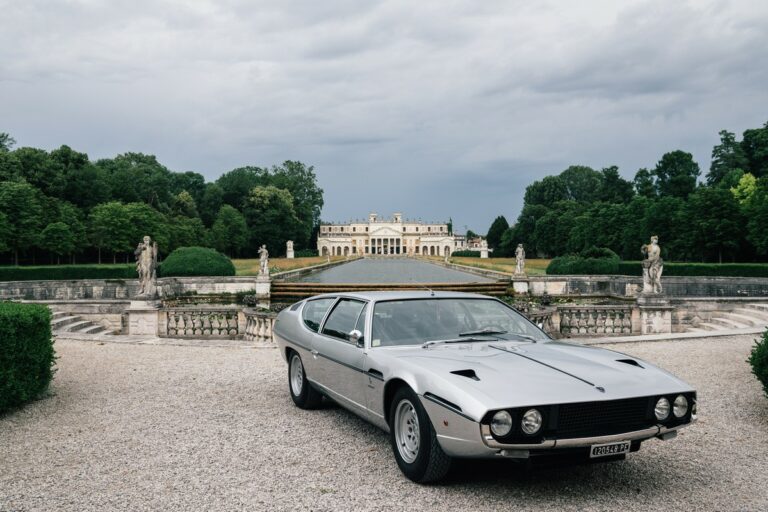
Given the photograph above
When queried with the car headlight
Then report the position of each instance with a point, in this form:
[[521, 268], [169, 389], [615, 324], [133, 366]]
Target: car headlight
[[694, 410], [680, 406], [662, 409], [531, 422], [501, 423]]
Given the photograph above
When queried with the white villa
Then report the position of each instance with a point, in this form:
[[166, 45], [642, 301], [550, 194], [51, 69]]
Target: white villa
[[391, 237]]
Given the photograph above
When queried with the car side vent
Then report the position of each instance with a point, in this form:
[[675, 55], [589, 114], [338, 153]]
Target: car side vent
[[470, 374], [295, 306], [631, 362]]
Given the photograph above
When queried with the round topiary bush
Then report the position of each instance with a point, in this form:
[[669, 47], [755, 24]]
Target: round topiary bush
[[759, 360], [196, 261], [26, 353]]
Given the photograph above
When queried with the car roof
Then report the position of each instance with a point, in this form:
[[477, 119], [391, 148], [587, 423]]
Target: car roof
[[403, 295]]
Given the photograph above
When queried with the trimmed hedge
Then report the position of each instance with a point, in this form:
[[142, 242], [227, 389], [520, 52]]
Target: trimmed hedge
[[759, 361], [68, 272], [26, 353], [196, 261], [575, 265], [465, 254], [633, 268], [305, 253]]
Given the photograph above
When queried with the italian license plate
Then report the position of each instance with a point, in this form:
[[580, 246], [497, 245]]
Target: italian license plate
[[608, 449]]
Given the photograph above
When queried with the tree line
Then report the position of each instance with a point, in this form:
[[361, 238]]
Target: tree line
[[722, 218], [60, 206]]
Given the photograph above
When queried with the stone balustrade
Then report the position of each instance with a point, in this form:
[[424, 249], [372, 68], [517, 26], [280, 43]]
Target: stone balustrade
[[595, 320], [202, 322], [543, 318], [259, 325]]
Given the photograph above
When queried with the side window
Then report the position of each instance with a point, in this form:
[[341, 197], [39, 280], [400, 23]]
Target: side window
[[314, 311], [360, 325], [343, 319]]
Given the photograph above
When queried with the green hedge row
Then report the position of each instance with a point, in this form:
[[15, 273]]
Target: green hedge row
[[26, 353], [576, 265], [196, 261], [66, 272], [305, 253], [466, 254], [758, 358]]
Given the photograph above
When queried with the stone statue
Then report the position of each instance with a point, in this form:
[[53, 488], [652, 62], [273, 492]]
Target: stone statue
[[146, 266], [263, 261], [653, 266], [519, 260], [289, 249]]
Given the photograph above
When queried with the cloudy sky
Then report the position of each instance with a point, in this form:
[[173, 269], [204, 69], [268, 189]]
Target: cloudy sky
[[437, 109]]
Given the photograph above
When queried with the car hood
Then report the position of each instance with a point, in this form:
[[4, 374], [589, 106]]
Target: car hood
[[510, 374]]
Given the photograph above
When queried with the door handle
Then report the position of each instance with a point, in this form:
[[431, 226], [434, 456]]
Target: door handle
[[315, 353]]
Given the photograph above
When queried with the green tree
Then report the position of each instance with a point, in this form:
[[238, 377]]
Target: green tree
[[546, 192], [581, 183], [185, 232], [229, 232], [726, 157], [756, 212], [300, 180], [145, 220], [644, 183], [553, 230], [236, 185], [39, 170], [211, 203], [6, 142], [755, 146], [184, 205], [109, 228], [666, 218], [526, 226], [84, 184], [715, 222], [136, 177], [495, 232], [20, 204], [744, 189], [613, 188], [10, 167], [58, 239], [602, 225], [5, 234], [191, 182], [676, 174], [271, 218]]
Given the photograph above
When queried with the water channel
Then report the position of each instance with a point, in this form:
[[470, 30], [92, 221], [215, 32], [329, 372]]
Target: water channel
[[391, 270]]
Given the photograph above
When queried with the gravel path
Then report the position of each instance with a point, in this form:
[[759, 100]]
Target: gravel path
[[148, 427]]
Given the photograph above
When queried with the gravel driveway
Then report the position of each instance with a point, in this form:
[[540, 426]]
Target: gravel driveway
[[143, 427]]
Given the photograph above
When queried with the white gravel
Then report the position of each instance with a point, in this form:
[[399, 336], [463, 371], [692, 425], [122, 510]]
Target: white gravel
[[152, 427]]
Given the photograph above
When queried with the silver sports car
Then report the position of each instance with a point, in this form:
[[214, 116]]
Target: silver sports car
[[463, 375]]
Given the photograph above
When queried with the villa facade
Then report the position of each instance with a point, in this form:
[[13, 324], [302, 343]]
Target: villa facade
[[388, 237]]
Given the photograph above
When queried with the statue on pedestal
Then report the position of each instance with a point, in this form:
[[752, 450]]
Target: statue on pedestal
[[263, 261], [519, 260], [146, 267], [289, 249], [653, 266]]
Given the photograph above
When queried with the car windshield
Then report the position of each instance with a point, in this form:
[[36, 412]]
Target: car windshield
[[414, 322]]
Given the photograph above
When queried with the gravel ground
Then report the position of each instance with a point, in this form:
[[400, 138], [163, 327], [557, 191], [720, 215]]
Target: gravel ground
[[152, 427]]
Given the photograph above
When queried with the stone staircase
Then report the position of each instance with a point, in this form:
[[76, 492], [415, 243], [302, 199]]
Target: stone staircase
[[62, 321], [748, 316]]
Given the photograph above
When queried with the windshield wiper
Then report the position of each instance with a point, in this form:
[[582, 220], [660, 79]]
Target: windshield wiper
[[428, 344], [487, 330]]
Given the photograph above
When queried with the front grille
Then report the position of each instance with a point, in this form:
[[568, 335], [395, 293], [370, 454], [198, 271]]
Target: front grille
[[590, 419]]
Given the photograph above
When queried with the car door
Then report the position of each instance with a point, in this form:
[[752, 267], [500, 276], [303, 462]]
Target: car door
[[312, 314], [340, 358]]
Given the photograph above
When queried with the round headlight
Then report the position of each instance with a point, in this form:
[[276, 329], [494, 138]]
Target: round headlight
[[662, 409], [531, 422], [501, 423], [680, 407]]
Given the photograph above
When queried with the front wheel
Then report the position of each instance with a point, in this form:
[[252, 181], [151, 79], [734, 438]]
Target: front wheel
[[413, 439], [302, 392]]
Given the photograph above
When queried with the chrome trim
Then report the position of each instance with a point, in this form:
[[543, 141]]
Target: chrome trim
[[657, 430]]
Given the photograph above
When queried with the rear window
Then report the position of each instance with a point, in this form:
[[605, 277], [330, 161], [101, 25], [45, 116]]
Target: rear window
[[314, 311]]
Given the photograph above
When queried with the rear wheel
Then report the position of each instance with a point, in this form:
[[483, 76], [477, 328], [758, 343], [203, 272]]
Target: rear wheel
[[302, 392], [413, 439]]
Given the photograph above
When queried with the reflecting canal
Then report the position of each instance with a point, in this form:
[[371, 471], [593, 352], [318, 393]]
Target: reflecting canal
[[391, 270]]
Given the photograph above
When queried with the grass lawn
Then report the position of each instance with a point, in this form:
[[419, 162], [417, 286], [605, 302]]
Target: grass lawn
[[533, 267], [250, 267]]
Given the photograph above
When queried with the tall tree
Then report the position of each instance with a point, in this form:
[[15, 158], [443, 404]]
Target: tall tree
[[39, 170], [211, 203], [184, 205], [84, 184], [581, 182], [109, 228], [716, 223], [546, 192], [58, 239], [271, 218], [613, 188], [300, 180], [5, 233], [644, 183], [495, 232], [20, 204], [727, 156], [229, 232], [676, 174], [236, 185], [6, 142], [192, 182], [136, 177], [755, 146]]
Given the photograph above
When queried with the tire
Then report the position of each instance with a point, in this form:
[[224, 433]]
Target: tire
[[302, 392], [420, 458]]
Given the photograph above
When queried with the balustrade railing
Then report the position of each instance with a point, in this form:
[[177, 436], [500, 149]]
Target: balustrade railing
[[259, 325], [203, 322], [593, 319]]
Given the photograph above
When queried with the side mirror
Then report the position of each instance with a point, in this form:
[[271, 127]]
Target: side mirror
[[356, 337]]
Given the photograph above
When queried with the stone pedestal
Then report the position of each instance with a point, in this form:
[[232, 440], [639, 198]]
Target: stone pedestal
[[289, 254], [484, 252], [655, 314], [142, 316], [263, 291], [520, 285]]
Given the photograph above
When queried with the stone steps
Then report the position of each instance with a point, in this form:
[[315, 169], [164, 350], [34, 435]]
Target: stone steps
[[61, 321], [751, 315]]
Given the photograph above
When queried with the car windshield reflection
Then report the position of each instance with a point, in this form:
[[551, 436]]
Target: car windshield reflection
[[420, 321]]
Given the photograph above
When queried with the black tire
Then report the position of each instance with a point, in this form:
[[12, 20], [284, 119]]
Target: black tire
[[305, 396], [430, 463]]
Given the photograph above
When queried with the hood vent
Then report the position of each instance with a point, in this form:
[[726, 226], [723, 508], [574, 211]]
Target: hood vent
[[631, 362], [470, 374]]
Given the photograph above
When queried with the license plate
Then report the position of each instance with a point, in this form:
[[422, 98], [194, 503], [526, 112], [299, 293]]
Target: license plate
[[608, 449]]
